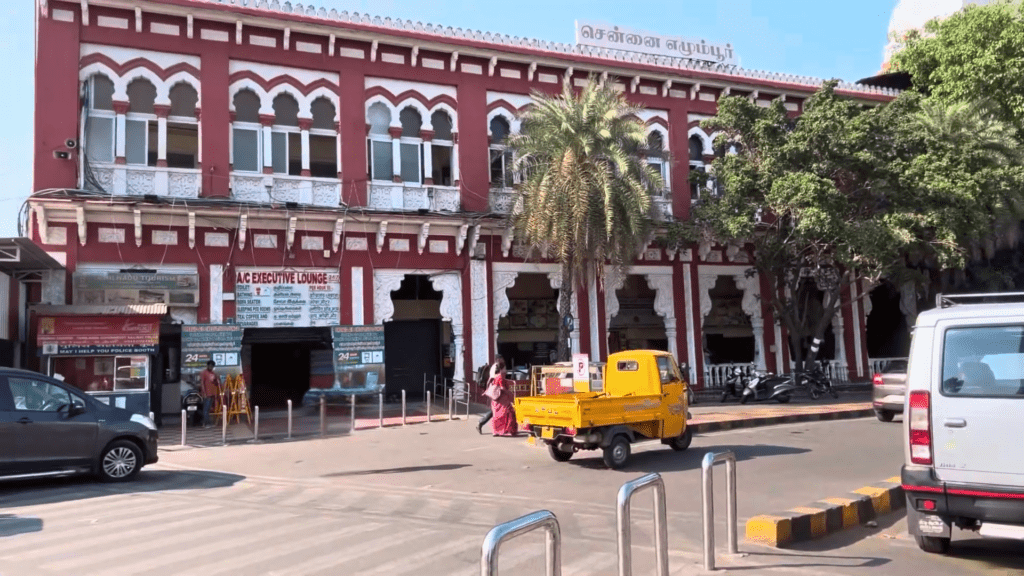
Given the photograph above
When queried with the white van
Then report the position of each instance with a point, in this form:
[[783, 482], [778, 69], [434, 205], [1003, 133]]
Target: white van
[[964, 421]]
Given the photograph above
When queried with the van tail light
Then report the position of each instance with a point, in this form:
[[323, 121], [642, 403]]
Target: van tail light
[[571, 431], [920, 428], [877, 380]]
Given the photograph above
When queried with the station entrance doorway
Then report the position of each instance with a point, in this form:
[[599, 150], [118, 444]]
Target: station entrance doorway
[[282, 363], [417, 341]]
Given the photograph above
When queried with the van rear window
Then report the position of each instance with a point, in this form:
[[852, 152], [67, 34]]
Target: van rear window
[[983, 361], [628, 366]]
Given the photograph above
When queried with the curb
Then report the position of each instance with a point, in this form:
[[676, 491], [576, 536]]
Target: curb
[[827, 516], [702, 427]]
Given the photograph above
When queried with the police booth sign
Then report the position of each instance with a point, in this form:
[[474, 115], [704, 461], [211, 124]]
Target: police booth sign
[[358, 363]]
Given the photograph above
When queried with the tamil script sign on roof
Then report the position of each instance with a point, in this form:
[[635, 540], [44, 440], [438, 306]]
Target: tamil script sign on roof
[[601, 35]]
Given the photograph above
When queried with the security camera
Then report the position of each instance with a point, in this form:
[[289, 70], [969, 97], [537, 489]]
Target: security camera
[[71, 143]]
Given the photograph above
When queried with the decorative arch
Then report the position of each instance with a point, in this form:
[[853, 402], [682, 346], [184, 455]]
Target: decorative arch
[[162, 91], [514, 123], [380, 99], [283, 89], [306, 103], [708, 141], [662, 131], [266, 103], [422, 110]]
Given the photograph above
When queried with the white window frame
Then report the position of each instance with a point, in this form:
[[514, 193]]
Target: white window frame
[[418, 142], [95, 113], [330, 134], [502, 149], [141, 117], [450, 145], [286, 130], [384, 139], [258, 128], [199, 139]]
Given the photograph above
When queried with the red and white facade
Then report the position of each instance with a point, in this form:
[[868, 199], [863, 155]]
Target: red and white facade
[[216, 136]]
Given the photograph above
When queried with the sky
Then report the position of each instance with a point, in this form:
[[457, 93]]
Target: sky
[[820, 38]]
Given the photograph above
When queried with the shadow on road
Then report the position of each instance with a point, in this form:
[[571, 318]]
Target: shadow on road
[[780, 560], [11, 525], [994, 553], [434, 468], [851, 536], [51, 491], [668, 461]]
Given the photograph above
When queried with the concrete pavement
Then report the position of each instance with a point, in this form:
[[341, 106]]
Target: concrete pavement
[[419, 500]]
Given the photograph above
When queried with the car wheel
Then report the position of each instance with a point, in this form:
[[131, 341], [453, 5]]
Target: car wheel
[[783, 398], [559, 455], [617, 453], [120, 461], [682, 442], [884, 415], [933, 544]]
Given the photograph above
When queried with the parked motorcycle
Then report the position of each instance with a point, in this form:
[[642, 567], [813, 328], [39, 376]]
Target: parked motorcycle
[[192, 404], [766, 386], [816, 382], [735, 384]]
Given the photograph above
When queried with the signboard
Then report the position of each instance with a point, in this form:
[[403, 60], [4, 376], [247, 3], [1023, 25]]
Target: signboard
[[269, 297], [136, 288], [601, 35], [201, 343], [358, 363], [581, 369], [98, 335]]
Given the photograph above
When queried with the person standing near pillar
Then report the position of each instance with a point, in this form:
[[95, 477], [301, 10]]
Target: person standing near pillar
[[210, 384], [497, 368]]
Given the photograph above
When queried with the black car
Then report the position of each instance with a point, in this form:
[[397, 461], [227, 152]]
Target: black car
[[49, 428]]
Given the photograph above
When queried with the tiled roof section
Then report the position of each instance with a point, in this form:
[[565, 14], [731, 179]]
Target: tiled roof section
[[556, 48]]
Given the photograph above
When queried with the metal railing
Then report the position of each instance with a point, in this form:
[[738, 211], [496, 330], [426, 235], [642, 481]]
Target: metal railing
[[622, 516], [878, 365], [502, 532], [716, 375], [708, 497]]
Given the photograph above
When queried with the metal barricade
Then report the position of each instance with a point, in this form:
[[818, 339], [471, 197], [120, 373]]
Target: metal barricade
[[502, 532], [622, 515], [707, 491]]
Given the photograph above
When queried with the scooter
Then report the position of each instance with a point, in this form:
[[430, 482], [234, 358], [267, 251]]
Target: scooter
[[192, 404], [735, 384], [767, 386]]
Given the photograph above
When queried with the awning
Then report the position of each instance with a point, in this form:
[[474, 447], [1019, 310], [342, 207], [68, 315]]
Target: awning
[[311, 335], [100, 309], [20, 256]]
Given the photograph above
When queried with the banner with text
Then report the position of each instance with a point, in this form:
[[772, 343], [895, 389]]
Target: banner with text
[[97, 335], [201, 343], [602, 35], [269, 297], [358, 363]]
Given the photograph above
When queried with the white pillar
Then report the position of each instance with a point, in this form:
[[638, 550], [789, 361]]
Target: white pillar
[[161, 137], [358, 318], [455, 160], [216, 293], [305, 151], [119, 146], [396, 157], [691, 344], [268, 149], [337, 153], [595, 333], [481, 324]]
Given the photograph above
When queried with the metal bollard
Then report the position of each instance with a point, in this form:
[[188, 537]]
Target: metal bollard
[[428, 405], [380, 410], [224, 424], [707, 491], [451, 408], [184, 426], [622, 516], [519, 526], [323, 416], [289, 418], [403, 407], [151, 416], [352, 426], [256, 424]]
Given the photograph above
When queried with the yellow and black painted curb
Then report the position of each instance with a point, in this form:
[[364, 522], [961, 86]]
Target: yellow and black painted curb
[[827, 516], [718, 426]]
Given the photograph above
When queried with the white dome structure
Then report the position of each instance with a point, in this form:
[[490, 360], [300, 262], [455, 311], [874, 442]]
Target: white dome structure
[[913, 14]]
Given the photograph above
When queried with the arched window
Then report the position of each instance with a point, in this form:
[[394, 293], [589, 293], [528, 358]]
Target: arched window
[[697, 168], [380, 150], [141, 128], [501, 157], [246, 150], [656, 156], [183, 127], [411, 145], [323, 140], [99, 123], [441, 148], [285, 137]]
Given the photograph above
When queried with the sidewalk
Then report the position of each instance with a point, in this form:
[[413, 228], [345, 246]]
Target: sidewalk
[[706, 416]]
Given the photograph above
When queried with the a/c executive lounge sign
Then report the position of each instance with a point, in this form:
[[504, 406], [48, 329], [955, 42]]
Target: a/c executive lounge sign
[[601, 35]]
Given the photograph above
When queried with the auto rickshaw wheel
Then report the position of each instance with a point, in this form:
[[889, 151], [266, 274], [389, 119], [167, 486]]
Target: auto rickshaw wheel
[[682, 442], [616, 454], [559, 455]]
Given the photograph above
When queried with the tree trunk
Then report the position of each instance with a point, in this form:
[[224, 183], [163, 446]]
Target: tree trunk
[[565, 311]]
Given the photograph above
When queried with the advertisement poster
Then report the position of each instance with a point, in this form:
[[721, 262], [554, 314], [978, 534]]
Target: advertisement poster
[[272, 297], [358, 363], [136, 288], [200, 343], [97, 335]]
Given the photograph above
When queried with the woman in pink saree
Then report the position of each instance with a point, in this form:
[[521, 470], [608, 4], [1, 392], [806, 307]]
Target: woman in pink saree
[[504, 422]]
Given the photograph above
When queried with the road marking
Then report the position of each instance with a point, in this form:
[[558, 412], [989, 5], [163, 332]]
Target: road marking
[[369, 547], [415, 562]]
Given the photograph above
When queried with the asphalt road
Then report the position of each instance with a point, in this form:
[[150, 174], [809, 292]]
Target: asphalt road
[[419, 500]]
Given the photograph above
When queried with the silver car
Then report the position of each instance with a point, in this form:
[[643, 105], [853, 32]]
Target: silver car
[[888, 390]]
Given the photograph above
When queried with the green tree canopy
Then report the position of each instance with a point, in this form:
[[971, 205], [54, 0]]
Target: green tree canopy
[[847, 192], [586, 190]]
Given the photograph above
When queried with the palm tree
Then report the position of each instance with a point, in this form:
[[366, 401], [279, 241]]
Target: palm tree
[[586, 188]]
